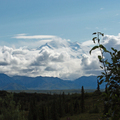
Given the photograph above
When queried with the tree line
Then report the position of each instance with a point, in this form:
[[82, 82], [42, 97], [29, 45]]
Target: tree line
[[37, 106]]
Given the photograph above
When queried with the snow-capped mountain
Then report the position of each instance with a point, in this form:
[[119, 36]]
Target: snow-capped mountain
[[53, 58], [74, 49]]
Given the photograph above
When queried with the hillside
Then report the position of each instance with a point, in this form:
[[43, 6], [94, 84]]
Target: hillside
[[45, 83]]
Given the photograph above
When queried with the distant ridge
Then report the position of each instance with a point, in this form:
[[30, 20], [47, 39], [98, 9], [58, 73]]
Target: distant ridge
[[45, 83], [13, 86]]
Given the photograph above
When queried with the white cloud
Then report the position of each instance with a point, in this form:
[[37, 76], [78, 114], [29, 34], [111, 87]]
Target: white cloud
[[56, 57], [24, 36], [112, 41], [87, 43], [34, 41]]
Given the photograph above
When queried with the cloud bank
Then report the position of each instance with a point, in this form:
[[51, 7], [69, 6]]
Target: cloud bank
[[53, 56]]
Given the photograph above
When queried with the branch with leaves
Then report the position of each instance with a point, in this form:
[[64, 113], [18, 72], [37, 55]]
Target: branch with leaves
[[110, 75]]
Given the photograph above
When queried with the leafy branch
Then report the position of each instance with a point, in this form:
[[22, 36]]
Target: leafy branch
[[110, 75]]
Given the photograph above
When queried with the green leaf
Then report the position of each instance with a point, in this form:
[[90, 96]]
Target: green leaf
[[94, 39], [118, 54], [115, 95], [101, 81], [100, 76], [94, 33], [114, 49], [101, 67], [100, 58], [95, 47], [101, 33], [106, 62], [103, 73], [101, 46]]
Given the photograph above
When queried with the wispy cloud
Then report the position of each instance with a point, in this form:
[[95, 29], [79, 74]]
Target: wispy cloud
[[24, 36]]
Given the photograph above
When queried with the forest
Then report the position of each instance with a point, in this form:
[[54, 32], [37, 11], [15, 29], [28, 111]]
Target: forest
[[38, 106]]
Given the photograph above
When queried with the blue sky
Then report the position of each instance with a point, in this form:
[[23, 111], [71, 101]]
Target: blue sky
[[53, 37], [69, 19]]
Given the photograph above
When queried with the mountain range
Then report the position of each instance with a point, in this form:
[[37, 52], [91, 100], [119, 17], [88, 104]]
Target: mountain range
[[45, 83]]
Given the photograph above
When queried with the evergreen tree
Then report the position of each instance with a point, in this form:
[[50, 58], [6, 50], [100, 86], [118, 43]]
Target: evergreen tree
[[82, 100], [48, 112], [63, 97], [76, 107], [32, 110], [54, 110], [42, 112], [61, 107], [71, 108]]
